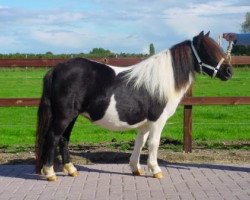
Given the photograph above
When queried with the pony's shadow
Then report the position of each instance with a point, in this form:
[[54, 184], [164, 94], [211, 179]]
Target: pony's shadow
[[18, 171], [25, 169], [107, 157], [123, 158]]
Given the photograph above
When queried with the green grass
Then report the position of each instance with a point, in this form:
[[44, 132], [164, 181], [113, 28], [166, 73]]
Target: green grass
[[21, 82], [237, 86], [210, 123]]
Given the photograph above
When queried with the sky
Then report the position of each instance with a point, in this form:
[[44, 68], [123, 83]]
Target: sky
[[129, 26]]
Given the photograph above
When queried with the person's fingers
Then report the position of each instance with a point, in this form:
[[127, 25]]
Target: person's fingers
[[229, 36]]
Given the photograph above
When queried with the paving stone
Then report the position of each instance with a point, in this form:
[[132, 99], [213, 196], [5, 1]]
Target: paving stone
[[114, 181]]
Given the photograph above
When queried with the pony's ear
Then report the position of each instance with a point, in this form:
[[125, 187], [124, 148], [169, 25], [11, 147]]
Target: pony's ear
[[197, 39], [207, 34], [201, 34]]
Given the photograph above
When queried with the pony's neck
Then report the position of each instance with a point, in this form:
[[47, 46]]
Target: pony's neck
[[166, 74], [155, 74], [184, 64]]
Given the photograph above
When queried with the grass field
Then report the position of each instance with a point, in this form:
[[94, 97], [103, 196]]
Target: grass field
[[211, 124]]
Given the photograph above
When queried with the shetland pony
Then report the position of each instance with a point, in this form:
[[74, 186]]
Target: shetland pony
[[142, 97]]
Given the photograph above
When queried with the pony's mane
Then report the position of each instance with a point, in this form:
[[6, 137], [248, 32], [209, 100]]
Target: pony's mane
[[183, 63], [165, 73], [155, 74]]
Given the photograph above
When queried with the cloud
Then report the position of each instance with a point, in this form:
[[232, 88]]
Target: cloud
[[80, 40], [59, 38], [58, 17], [211, 8], [31, 17], [121, 26], [7, 40], [195, 17]]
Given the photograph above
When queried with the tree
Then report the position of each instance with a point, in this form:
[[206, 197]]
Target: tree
[[245, 26], [100, 52], [49, 54], [239, 50], [151, 49]]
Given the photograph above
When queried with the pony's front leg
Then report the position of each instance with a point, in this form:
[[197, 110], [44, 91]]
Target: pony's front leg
[[135, 157], [153, 145]]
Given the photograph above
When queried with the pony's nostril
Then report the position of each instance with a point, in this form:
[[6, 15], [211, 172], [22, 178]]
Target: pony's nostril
[[229, 71]]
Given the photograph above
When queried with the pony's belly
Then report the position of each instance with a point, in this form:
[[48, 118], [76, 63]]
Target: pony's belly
[[115, 124], [111, 119]]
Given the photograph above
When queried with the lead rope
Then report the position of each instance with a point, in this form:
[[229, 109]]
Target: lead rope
[[229, 50]]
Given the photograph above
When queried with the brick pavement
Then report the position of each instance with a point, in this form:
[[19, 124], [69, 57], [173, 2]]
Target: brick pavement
[[114, 181]]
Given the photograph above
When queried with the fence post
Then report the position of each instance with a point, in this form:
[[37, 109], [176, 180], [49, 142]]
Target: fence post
[[187, 126]]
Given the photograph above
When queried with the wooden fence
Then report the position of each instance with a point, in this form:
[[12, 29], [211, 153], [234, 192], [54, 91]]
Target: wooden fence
[[239, 60], [12, 63], [188, 101]]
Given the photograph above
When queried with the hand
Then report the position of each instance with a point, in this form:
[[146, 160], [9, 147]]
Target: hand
[[229, 36]]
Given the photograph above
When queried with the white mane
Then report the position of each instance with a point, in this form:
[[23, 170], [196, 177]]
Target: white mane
[[156, 75]]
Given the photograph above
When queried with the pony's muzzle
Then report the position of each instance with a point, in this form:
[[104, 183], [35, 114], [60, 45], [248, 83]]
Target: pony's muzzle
[[229, 72], [225, 73]]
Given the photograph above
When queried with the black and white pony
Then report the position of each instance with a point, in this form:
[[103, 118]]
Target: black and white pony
[[142, 97]]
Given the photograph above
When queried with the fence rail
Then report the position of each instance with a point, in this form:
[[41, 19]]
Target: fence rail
[[240, 60], [195, 101], [11, 63], [188, 101], [236, 60]]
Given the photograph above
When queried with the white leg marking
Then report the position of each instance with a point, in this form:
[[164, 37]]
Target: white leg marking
[[49, 172], [70, 169], [153, 145], [139, 143]]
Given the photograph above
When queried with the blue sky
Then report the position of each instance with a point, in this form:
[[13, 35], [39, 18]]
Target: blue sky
[[74, 26]]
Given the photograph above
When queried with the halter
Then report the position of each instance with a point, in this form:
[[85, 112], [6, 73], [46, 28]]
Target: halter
[[201, 64], [229, 50]]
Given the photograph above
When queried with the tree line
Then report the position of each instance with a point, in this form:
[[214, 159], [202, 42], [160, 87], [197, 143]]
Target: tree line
[[103, 53], [94, 53]]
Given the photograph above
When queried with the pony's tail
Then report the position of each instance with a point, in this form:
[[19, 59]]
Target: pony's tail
[[44, 116]]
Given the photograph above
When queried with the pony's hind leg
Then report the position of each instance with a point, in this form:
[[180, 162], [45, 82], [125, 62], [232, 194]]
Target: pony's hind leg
[[51, 141], [48, 154], [135, 157], [68, 167]]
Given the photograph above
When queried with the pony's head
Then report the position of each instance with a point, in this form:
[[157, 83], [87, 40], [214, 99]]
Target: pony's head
[[210, 57]]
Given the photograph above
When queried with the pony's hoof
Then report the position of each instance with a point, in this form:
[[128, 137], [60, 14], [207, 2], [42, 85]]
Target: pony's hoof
[[158, 175], [74, 174], [69, 169], [138, 172], [49, 173], [52, 178]]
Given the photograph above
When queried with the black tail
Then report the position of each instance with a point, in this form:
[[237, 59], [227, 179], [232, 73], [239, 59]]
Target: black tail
[[44, 119]]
